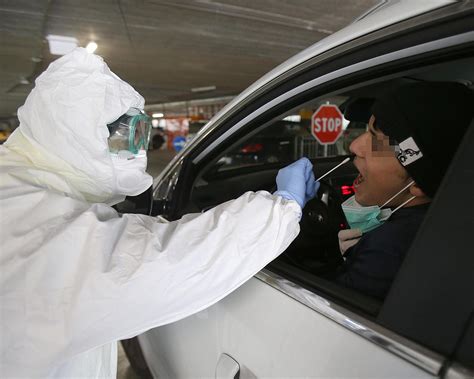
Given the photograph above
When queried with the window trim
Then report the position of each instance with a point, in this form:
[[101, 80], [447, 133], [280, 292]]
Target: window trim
[[418, 355], [290, 69], [428, 47]]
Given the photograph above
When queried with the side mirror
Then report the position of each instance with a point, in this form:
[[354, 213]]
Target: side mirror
[[140, 204]]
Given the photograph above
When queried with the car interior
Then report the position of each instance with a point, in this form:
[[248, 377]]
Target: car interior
[[252, 160]]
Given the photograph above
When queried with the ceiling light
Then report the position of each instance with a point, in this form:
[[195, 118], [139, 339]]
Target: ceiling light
[[203, 89], [60, 45], [158, 115], [91, 47], [293, 118]]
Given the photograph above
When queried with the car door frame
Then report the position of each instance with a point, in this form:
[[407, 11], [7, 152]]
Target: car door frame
[[369, 56]]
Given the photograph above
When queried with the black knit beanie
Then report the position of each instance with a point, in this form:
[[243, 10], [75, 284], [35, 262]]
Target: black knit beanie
[[428, 121]]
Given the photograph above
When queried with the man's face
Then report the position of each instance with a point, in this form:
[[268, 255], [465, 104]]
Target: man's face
[[380, 174]]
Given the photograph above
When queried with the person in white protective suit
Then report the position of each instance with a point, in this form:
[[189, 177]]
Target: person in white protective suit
[[76, 276]]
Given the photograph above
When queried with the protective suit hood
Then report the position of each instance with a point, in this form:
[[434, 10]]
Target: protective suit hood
[[63, 128]]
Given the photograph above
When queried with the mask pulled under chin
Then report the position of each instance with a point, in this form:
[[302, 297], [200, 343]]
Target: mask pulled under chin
[[364, 218], [370, 217], [130, 176]]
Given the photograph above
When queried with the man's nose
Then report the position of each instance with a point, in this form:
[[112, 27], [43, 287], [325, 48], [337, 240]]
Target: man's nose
[[359, 145]]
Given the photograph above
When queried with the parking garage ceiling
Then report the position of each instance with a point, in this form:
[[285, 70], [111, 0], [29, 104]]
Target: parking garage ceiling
[[164, 48]]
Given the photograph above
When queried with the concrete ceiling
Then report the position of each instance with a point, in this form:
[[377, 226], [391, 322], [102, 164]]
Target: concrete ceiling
[[166, 47]]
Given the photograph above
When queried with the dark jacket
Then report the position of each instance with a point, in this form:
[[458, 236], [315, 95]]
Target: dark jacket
[[371, 264]]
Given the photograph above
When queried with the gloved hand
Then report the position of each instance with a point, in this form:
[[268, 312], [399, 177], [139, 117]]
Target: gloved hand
[[348, 238], [296, 182], [312, 186]]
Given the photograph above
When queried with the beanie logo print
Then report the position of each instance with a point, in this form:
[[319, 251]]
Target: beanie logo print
[[409, 152]]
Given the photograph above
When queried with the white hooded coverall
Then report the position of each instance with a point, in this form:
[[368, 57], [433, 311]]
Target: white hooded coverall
[[76, 276]]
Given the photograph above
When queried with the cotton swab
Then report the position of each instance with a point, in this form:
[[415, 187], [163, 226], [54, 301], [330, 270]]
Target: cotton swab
[[331, 170]]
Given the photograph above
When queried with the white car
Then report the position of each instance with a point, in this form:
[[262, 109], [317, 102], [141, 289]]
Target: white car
[[288, 321]]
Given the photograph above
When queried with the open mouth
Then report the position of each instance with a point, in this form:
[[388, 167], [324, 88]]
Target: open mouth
[[358, 180]]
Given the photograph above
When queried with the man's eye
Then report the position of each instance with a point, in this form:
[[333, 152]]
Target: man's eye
[[383, 146], [377, 142]]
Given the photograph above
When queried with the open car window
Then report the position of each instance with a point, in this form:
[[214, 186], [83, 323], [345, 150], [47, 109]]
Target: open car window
[[252, 160]]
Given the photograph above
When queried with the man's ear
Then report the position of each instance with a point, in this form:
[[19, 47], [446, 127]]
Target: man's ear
[[415, 190]]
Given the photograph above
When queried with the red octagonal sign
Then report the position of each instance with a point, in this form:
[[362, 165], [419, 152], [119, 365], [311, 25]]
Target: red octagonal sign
[[326, 124]]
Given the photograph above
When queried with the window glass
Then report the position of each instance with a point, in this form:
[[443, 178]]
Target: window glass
[[289, 138]]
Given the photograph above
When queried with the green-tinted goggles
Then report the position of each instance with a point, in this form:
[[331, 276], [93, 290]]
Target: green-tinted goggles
[[130, 132]]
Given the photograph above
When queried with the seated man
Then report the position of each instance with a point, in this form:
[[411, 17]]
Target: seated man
[[413, 134]]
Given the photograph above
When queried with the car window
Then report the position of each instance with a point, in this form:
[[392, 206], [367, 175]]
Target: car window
[[289, 138]]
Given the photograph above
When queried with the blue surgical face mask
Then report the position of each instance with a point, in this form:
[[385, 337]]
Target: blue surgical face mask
[[371, 217]]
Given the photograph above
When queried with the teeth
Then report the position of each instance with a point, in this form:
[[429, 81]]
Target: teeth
[[359, 179]]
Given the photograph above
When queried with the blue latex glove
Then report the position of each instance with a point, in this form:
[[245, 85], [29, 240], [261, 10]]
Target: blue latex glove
[[312, 186], [297, 182]]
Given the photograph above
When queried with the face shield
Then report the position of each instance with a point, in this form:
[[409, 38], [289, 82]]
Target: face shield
[[130, 133]]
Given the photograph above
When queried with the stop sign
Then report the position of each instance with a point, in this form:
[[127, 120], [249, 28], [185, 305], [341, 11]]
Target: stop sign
[[326, 124]]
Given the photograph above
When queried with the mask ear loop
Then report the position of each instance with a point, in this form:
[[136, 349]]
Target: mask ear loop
[[398, 193], [403, 204]]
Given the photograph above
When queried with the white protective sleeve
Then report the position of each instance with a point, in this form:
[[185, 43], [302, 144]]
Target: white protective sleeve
[[80, 279]]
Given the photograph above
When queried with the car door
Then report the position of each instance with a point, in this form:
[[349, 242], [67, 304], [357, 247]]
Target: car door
[[288, 321]]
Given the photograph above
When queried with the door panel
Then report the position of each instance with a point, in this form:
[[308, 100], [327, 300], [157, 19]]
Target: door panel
[[270, 335], [188, 348]]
